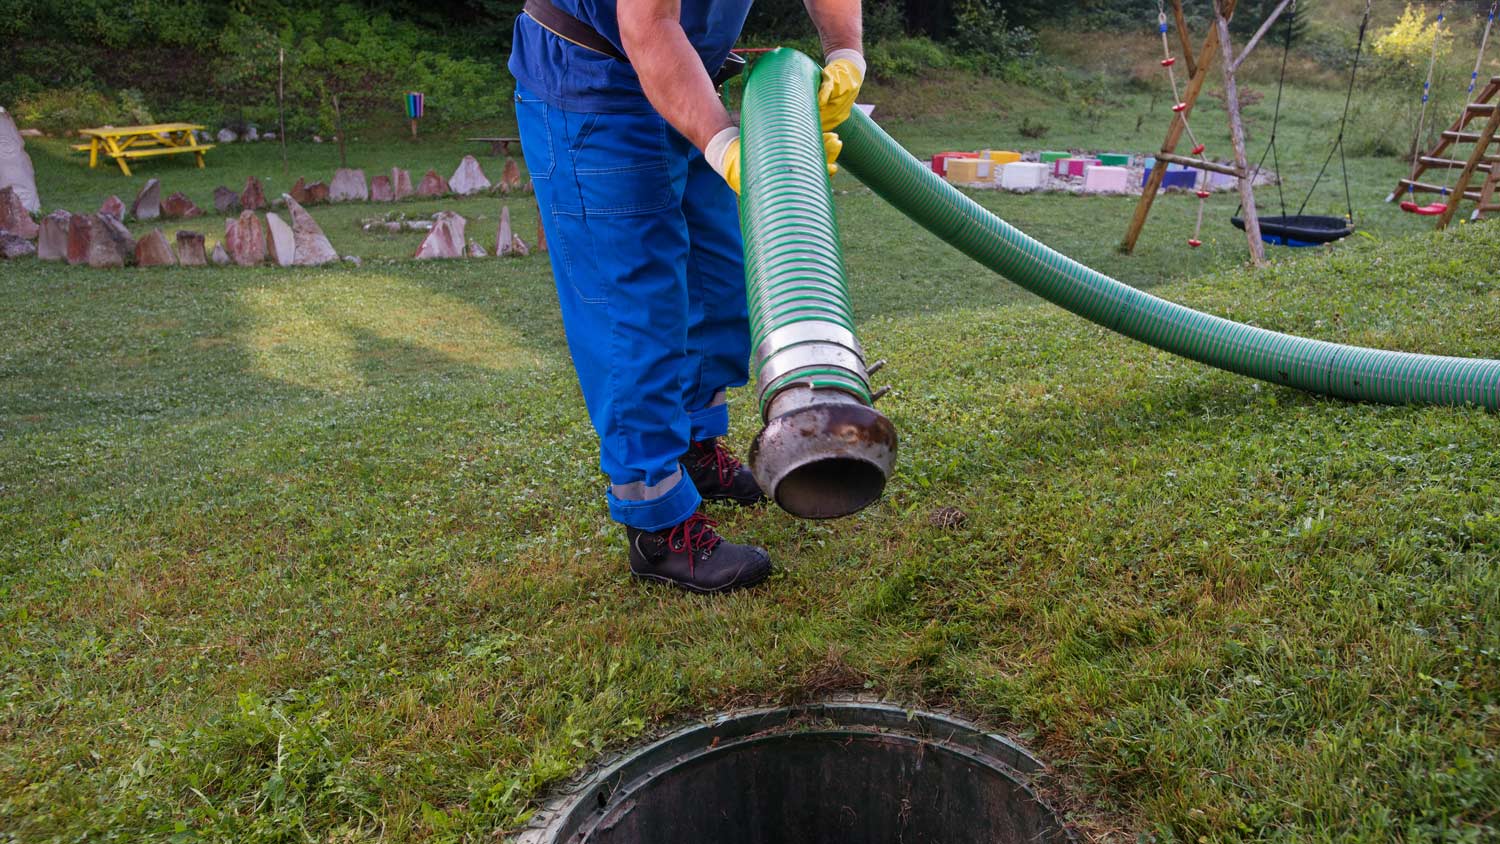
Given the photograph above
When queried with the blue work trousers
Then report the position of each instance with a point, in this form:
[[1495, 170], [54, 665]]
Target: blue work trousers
[[645, 244]]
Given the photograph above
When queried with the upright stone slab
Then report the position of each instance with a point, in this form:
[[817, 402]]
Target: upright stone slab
[[348, 186], [245, 239], [280, 242], [226, 201], [253, 198], [113, 207], [220, 256], [80, 235], [14, 217], [380, 189], [15, 246], [446, 240], [504, 237], [432, 185], [52, 241], [299, 190], [179, 207], [541, 233], [190, 249], [147, 205], [469, 178], [110, 244], [401, 183], [154, 251], [311, 247], [317, 194], [15, 165], [510, 177], [477, 251]]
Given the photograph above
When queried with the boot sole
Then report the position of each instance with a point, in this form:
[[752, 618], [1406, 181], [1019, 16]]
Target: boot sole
[[728, 587]]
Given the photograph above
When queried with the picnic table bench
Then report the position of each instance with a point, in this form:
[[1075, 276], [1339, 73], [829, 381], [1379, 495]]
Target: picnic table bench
[[123, 143], [498, 146]]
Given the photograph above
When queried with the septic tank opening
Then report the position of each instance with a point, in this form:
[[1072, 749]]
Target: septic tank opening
[[831, 772]]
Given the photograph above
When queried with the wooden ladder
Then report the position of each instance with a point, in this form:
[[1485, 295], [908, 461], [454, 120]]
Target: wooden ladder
[[1441, 157], [1489, 196]]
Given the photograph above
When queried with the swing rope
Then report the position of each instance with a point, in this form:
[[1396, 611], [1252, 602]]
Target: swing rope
[[1286, 51], [1484, 41], [1416, 144], [1338, 143], [1180, 106]]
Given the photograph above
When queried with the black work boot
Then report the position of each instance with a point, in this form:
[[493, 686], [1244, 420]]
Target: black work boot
[[719, 475], [693, 556]]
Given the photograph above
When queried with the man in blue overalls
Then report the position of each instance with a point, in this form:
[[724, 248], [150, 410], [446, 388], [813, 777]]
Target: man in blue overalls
[[636, 166]]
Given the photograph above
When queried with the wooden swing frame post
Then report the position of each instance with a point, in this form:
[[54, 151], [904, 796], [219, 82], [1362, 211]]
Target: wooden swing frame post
[[1216, 41]]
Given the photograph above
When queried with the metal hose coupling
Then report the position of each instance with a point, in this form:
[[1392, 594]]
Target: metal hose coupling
[[825, 451]]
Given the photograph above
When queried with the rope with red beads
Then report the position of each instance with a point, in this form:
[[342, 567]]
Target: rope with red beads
[[1180, 108]]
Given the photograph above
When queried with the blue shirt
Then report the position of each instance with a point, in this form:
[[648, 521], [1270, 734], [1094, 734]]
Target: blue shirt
[[576, 78]]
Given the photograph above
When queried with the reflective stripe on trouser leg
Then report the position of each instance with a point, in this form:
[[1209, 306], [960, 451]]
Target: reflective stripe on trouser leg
[[718, 317], [610, 191]]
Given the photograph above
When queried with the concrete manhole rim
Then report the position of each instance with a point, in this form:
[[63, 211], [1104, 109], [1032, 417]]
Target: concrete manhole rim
[[583, 801]]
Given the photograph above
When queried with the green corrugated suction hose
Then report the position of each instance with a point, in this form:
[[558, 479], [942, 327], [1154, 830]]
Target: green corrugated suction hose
[[1333, 369], [794, 267]]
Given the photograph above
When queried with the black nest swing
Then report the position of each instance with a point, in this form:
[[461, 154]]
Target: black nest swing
[[1301, 229]]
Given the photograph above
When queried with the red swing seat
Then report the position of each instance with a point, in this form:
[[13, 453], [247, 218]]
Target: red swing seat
[[1431, 209]]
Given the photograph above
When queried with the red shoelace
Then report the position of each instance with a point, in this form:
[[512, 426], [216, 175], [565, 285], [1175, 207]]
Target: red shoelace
[[724, 463], [695, 534]]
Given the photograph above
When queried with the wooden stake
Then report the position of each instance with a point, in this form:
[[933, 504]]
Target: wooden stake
[[1237, 137], [338, 127], [281, 109]]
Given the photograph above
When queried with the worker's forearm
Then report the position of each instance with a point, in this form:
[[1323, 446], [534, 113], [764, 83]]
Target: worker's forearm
[[672, 75], [839, 24]]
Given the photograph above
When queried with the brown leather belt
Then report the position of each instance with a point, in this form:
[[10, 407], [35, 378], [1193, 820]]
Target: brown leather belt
[[571, 29]]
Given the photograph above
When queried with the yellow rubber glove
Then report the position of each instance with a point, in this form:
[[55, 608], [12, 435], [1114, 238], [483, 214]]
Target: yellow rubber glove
[[832, 146], [732, 165], [723, 154], [842, 76]]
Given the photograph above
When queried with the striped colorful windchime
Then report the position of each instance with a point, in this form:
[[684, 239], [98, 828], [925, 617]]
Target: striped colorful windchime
[[416, 102]]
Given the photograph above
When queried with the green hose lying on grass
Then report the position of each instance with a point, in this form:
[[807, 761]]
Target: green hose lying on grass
[[1332, 369]]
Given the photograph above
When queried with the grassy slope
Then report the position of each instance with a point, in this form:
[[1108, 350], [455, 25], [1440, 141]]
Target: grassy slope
[[322, 554]]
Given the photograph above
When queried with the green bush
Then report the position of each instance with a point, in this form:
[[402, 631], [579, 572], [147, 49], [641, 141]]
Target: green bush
[[901, 58], [61, 111], [984, 35]]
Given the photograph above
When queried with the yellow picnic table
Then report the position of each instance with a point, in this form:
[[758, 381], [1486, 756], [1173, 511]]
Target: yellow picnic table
[[126, 142]]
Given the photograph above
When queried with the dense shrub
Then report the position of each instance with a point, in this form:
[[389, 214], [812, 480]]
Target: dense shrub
[[63, 110]]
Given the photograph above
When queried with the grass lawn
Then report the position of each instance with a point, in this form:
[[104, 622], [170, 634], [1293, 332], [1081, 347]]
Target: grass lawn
[[322, 555]]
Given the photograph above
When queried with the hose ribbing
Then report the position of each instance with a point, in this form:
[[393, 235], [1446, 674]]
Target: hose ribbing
[[1333, 369], [794, 266]]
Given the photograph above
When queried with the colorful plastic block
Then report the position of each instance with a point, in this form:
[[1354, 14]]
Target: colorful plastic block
[[1184, 179], [1114, 159], [1023, 175], [963, 171], [1078, 166], [1004, 156], [1052, 155], [940, 161], [1106, 179]]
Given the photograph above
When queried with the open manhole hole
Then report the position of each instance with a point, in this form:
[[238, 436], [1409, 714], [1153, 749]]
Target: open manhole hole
[[830, 772]]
